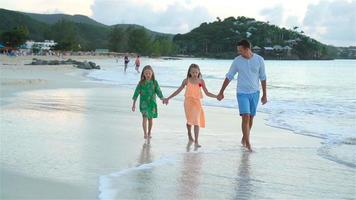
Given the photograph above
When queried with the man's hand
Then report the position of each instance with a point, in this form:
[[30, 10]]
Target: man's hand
[[133, 108], [220, 96], [264, 99]]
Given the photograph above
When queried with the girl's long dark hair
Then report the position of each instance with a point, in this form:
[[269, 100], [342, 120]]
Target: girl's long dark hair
[[142, 80], [191, 67]]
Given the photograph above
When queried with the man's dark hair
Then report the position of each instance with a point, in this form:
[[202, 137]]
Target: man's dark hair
[[244, 43]]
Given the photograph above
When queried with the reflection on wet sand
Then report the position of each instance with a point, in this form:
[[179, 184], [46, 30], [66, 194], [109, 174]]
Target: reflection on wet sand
[[243, 186], [145, 155], [145, 179], [189, 181]]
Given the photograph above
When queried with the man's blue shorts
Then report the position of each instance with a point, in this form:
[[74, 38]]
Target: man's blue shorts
[[248, 103]]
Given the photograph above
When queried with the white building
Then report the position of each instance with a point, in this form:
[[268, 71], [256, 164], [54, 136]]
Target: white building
[[46, 45], [268, 48], [277, 48]]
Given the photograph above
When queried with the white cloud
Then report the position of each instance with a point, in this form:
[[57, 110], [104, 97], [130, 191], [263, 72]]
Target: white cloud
[[281, 16], [292, 21], [173, 18], [332, 22], [47, 7], [274, 14], [53, 11]]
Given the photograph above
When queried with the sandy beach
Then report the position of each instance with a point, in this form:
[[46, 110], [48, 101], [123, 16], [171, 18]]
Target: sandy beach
[[66, 137]]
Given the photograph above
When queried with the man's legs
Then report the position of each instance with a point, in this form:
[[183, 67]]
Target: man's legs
[[245, 125], [251, 121], [253, 101], [247, 107]]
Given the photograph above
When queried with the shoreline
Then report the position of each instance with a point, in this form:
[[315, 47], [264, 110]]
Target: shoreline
[[18, 60], [64, 78]]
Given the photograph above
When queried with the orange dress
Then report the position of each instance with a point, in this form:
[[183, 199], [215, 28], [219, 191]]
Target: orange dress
[[192, 105]]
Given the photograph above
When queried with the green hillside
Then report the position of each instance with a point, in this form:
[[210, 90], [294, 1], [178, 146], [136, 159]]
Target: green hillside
[[54, 18], [79, 32], [219, 39], [11, 19]]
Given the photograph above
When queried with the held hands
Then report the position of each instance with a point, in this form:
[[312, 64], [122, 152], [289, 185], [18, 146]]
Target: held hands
[[165, 101], [220, 96]]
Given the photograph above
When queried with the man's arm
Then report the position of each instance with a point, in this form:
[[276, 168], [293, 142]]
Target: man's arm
[[262, 76], [223, 87], [229, 76], [264, 90]]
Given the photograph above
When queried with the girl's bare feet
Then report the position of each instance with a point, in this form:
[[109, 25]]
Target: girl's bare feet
[[197, 145], [189, 145]]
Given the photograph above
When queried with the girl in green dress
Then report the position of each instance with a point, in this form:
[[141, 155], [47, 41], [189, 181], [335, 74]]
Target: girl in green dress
[[147, 88]]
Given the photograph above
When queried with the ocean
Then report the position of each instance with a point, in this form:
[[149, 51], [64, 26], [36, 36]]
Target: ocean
[[313, 98], [89, 137]]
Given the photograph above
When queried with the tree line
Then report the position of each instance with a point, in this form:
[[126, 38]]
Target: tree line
[[71, 36], [138, 40], [216, 39], [219, 39]]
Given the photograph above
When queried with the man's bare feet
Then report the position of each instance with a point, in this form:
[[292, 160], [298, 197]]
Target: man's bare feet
[[248, 146], [243, 142]]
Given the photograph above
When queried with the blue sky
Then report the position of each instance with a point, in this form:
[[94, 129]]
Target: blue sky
[[329, 21]]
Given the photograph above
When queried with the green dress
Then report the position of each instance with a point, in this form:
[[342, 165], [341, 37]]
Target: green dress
[[147, 92]]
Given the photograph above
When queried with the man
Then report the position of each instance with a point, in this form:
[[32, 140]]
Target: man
[[251, 69]]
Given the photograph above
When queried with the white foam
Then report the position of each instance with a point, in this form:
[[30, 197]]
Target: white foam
[[105, 187]]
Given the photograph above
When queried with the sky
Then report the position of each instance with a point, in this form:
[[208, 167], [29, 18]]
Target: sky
[[329, 21]]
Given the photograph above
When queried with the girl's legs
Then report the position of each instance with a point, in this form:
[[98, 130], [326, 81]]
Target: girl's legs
[[150, 124], [144, 126], [196, 135], [189, 128]]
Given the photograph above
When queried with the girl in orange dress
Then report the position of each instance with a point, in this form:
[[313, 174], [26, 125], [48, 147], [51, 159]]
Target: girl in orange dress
[[194, 112]]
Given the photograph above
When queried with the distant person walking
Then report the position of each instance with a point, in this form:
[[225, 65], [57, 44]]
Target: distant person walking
[[126, 62], [137, 64], [251, 69]]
